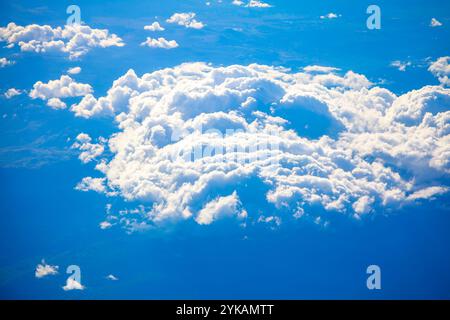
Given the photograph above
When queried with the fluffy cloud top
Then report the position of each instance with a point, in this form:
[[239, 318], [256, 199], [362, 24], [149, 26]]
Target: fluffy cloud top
[[160, 43], [89, 151], [75, 40], [12, 92], [91, 184], [251, 4], [155, 26], [43, 269], [441, 69], [186, 19], [54, 90], [190, 138], [222, 206]]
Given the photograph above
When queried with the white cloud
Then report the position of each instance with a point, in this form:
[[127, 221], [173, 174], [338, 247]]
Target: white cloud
[[222, 206], [238, 2], [400, 65], [92, 184], [12, 92], [56, 103], [72, 284], [105, 225], [320, 69], [330, 15], [388, 148], [435, 23], [112, 277], [363, 205], [155, 26], [273, 221], [258, 4], [89, 151], [74, 70], [441, 69], [427, 193], [5, 62], [160, 43], [186, 19], [76, 40], [63, 87], [43, 269]]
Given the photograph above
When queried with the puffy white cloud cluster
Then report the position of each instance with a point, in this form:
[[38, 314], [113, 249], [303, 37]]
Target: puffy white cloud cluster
[[12, 92], [220, 207], [155, 26], [190, 137], [43, 269], [89, 150], [76, 40], [186, 19], [160, 43], [54, 90], [252, 4], [92, 184], [441, 69]]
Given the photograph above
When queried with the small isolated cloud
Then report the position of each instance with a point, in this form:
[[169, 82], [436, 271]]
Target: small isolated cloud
[[331, 15], [12, 92], [43, 269], [441, 69], [272, 221], [186, 19], [155, 26], [72, 284], [105, 225], [400, 65], [5, 62], [112, 277], [75, 40], [435, 23], [160, 43], [74, 70]]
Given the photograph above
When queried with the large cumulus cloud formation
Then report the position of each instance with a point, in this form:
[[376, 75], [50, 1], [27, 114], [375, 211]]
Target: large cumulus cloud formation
[[191, 138], [76, 40]]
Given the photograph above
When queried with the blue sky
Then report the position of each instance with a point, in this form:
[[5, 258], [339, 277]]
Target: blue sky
[[375, 192]]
